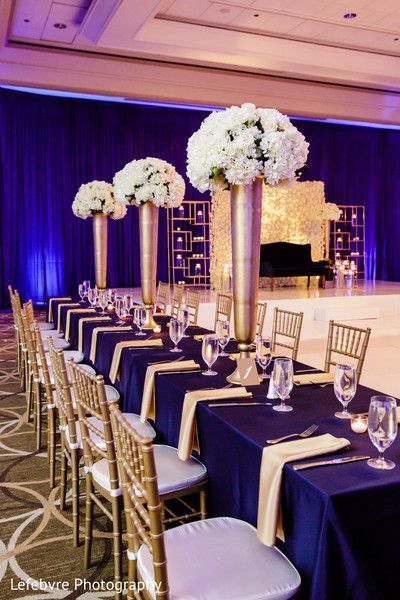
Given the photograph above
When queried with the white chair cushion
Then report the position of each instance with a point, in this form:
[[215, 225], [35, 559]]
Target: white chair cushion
[[98, 441], [58, 343], [174, 474], [221, 559], [51, 333], [45, 326], [87, 368], [68, 354]]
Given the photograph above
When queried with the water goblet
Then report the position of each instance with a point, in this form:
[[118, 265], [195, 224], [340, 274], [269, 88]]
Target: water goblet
[[139, 318], [92, 296], [120, 310], [344, 385], [209, 352], [223, 331], [183, 315], [282, 377], [175, 333], [81, 292], [128, 299], [103, 301], [112, 296], [382, 428], [263, 354]]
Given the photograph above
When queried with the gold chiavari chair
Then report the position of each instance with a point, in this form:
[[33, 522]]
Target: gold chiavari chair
[[162, 297], [33, 391], [261, 312], [30, 315], [102, 479], [349, 342], [210, 550], [70, 437], [177, 297], [45, 331], [14, 299], [223, 308], [192, 305], [286, 330]]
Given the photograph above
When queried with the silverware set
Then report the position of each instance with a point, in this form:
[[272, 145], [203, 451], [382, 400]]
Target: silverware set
[[304, 434]]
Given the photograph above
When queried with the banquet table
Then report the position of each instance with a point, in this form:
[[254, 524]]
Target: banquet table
[[341, 522]]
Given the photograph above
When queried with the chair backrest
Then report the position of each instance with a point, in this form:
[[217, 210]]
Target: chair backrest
[[31, 349], [63, 393], [97, 435], [261, 312], [177, 297], [286, 330], [162, 296], [44, 368], [348, 341], [141, 498], [29, 312], [223, 308], [192, 305]]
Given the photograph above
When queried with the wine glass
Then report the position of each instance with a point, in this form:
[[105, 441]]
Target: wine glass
[[223, 331], [112, 296], [92, 296], [209, 352], [175, 333], [86, 285], [282, 377], [382, 428], [184, 316], [344, 385], [81, 292], [139, 318], [128, 299], [120, 310], [103, 300], [263, 354]]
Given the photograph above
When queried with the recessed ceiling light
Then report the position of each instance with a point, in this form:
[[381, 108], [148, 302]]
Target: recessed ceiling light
[[350, 16], [396, 39], [60, 26], [256, 15], [27, 20]]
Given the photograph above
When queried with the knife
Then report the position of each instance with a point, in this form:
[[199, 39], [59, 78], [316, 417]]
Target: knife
[[325, 463]]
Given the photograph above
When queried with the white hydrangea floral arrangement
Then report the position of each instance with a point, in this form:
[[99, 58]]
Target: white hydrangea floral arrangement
[[149, 180], [237, 145], [331, 212], [97, 197]]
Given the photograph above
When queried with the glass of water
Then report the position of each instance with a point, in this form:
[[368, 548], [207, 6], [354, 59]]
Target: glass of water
[[282, 377], [175, 333], [81, 292], [209, 352], [120, 310], [382, 428], [103, 300], [344, 385], [92, 296], [263, 354], [183, 315], [139, 318], [223, 331]]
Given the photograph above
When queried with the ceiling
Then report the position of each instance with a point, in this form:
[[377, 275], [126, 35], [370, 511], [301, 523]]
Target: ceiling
[[293, 40]]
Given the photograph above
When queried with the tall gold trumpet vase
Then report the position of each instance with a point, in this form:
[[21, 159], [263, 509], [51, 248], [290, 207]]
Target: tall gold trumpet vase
[[100, 234], [246, 209], [148, 225]]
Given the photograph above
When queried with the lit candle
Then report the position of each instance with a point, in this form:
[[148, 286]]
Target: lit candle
[[359, 424], [157, 329]]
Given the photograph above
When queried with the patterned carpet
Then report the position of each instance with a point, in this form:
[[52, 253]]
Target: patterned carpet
[[35, 537]]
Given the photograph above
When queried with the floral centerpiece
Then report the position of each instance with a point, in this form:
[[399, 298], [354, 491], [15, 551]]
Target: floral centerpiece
[[237, 149], [331, 212], [149, 183], [96, 199]]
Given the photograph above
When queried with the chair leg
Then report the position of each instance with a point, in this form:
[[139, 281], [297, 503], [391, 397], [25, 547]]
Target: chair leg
[[51, 445], [88, 521], [132, 579], [308, 281], [323, 281], [203, 504], [63, 483], [75, 495], [117, 539], [28, 393], [38, 409], [272, 283]]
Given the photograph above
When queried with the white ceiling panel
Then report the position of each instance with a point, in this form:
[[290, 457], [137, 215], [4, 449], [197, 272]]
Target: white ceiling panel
[[187, 10], [221, 13], [266, 21], [272, 4], [69, 15]]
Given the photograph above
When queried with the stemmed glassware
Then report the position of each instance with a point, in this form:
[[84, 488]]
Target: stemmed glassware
[[93, 296], [103, 300], [176, 333], [209, 351], [184, 316], [282, 377], [223, 332], [128, 299], [86, 285], [81, 292], [139, 318], [344, 385], [382, 428], [120, 310], [263, 354], [112, 296]]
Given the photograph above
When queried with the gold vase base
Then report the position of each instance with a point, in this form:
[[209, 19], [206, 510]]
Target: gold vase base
[[150, 323], [235, 376]]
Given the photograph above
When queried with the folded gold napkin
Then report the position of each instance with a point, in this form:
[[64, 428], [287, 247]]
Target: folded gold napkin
[[188, 438], [198, 338], [68, 320], [59, 313], [51, 305], [114, 370], [310, 378], [80, 328], [272, 462], [148, 405], [95, 332]]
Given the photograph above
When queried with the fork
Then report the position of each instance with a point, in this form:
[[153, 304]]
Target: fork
[[304, 434]]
